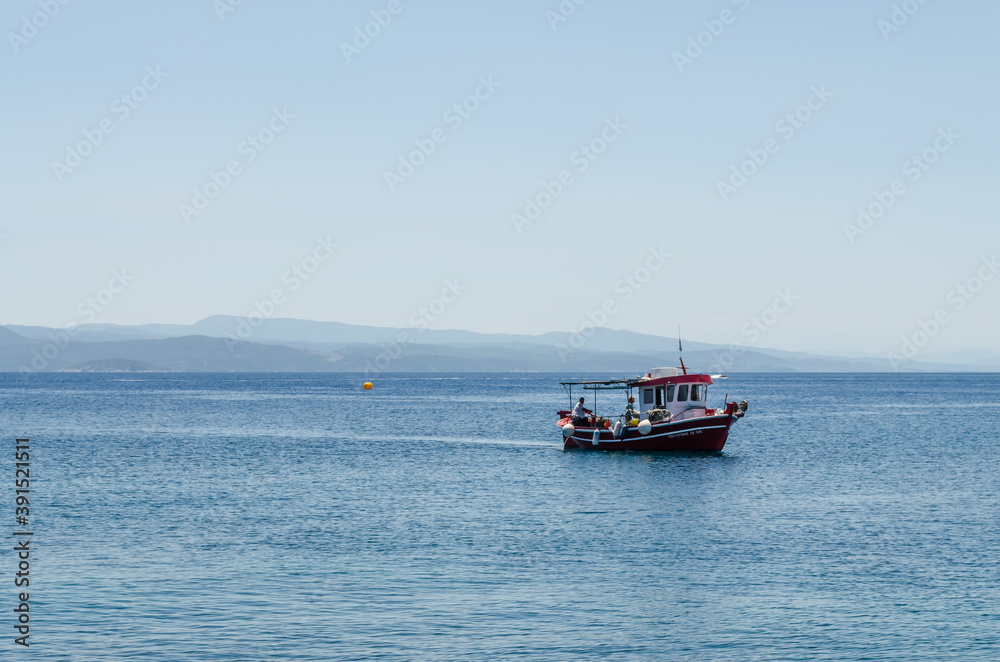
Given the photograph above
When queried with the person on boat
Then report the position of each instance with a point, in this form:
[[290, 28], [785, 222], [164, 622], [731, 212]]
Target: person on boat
[[580, 414], [630, 408]]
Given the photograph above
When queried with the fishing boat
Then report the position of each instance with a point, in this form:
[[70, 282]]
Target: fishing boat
[[666, 409]]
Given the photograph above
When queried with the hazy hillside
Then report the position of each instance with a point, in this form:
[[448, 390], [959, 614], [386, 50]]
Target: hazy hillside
[[332, 334], [113, 348], [187, 354], [9, 338]]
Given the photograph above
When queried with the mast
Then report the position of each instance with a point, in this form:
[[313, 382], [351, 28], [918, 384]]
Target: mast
[[680, 350]]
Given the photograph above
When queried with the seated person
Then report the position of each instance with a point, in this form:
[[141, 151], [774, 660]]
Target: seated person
[[580, 414]]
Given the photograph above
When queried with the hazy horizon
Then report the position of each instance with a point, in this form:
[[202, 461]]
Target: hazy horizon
[[928, 356]]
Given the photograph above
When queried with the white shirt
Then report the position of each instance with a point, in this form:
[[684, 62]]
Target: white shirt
[[578, 411]]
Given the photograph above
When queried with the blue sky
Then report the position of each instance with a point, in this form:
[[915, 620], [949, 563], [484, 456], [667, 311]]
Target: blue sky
[[886, 95]]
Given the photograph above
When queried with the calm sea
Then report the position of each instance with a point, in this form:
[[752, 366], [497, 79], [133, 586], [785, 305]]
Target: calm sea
[[297, 517]]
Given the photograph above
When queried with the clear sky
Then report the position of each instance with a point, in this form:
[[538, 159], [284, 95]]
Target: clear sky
[[663, 119]]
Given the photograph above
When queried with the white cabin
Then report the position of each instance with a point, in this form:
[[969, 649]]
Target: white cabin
[[684, 396]]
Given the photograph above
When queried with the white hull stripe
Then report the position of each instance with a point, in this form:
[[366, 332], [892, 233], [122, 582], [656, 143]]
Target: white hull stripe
[[652, 436]]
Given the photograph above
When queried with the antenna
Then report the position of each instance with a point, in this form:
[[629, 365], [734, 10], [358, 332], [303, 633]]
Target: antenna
[[680, 349]]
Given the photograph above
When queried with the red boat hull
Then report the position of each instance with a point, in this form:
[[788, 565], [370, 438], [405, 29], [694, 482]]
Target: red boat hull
[[707, 433]]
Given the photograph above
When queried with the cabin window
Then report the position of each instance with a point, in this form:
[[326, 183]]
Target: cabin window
[[659, 397], [696, 392], [682, 393], [670, 392], [647, 396]]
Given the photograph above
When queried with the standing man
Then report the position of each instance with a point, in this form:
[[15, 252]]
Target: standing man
[[580, 414]]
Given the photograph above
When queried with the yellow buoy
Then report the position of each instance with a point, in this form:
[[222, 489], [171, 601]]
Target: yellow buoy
[[368, 386]]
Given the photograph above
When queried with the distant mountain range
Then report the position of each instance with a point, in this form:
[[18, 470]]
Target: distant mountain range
[[230, 344]]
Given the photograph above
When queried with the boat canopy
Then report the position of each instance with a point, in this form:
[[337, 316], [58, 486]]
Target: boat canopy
[[611, 383]]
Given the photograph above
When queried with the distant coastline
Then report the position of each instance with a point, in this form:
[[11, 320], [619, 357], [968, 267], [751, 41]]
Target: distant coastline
[[288, 345]]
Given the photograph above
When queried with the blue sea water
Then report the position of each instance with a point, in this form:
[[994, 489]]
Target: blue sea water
[[298, 517]]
